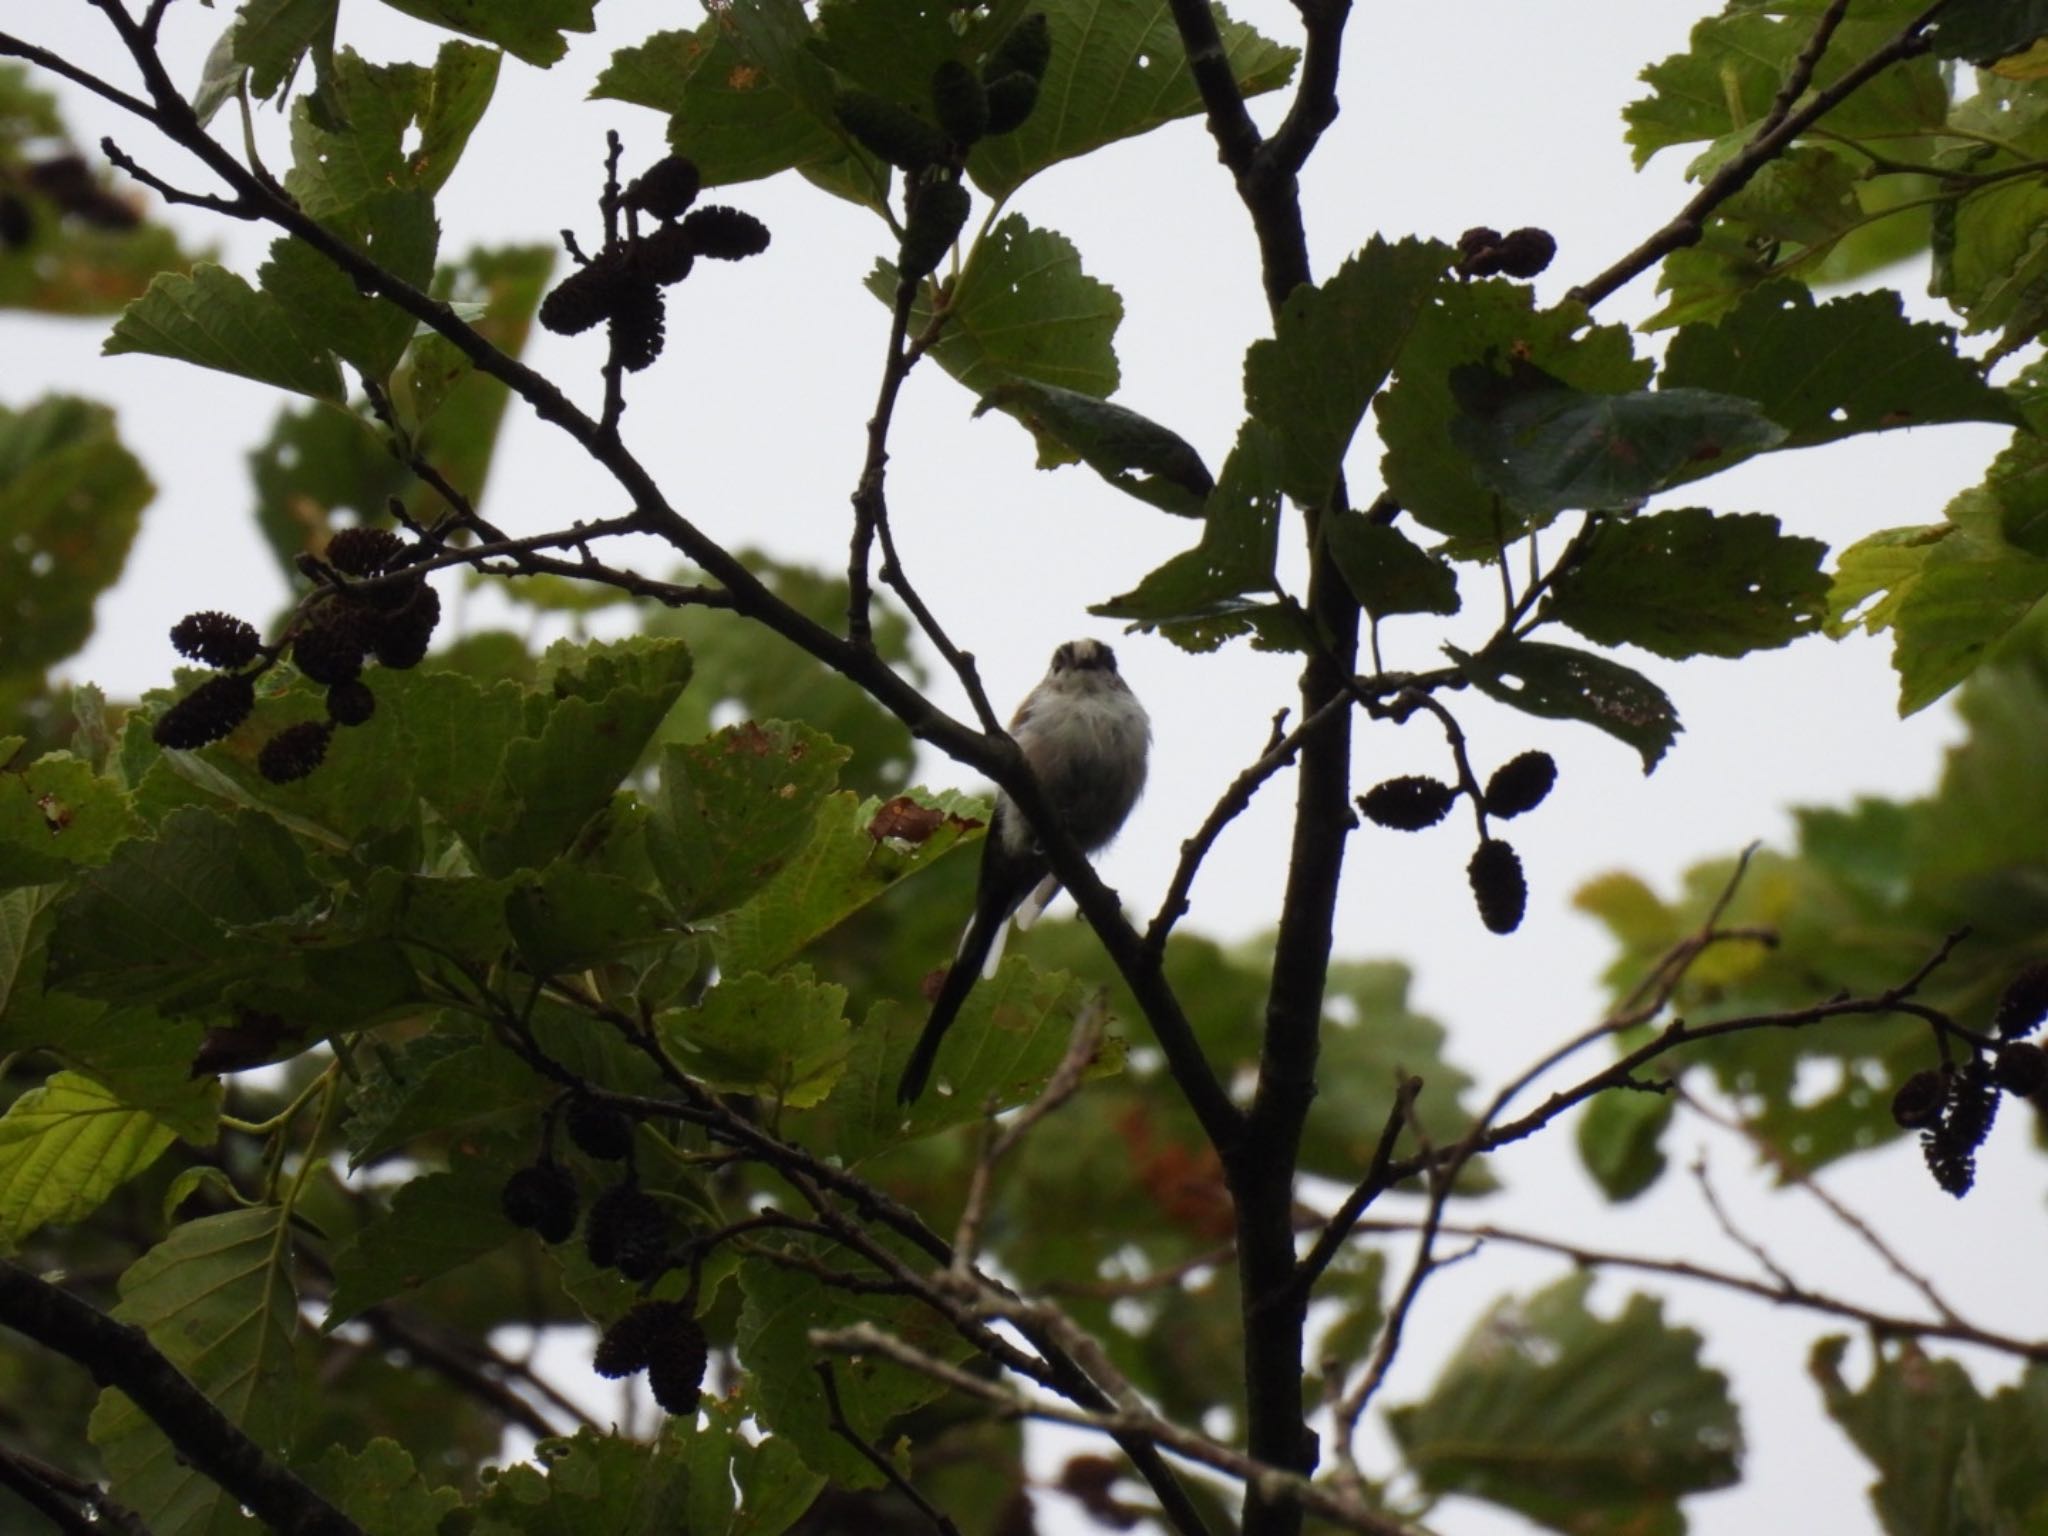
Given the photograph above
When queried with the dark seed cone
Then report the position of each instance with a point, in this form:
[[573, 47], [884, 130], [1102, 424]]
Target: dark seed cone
[[628, 1231], [639, 328], [665, 188], [1011, 99], [665, 256], [2024, 1003], [1951, 1146], [1526, 252], [1520, 784], [329, 653], [365, 551], [294, 751], [589, 294], [937, 213], [2022, 1069], [1954, 1168], [889, 132], [400, 639], [676, 1358], [1479, 237], [960, 102], [1498, 886], [599, 1130], [1026, 49], [626, 1346], [541, 1198], [1919, 1101], [207, 713], [1409, 803], [216, 639], [351, 703], [725, 234]]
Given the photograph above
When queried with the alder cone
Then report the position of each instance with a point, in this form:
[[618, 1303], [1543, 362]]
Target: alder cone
[[725, 234], [1919, 1100], [1026, 49], [206, 714], [677, 1353], [889, 132], [541, 1198], [1520, 784], [2023, 1004], [960, 102], [216, 639], [351, 703], [365, 552], [598, 1129], [1011, 99], [1498, 886], [936, 218], [295, 751], [666, 188], [1408, 803]]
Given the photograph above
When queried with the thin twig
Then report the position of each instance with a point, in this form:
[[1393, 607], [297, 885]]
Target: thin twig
[[1330, 1241], [1800, 76], [1766, 145], [874, 1458], [229, 207], [1733, 1232], [76, 1506]]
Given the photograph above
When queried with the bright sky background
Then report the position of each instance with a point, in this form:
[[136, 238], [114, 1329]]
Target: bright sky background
[[1502, 112]]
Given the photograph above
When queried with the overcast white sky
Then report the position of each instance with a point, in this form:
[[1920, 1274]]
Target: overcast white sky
[[1503, 112]]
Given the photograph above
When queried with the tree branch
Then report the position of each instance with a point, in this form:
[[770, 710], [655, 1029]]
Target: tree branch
[[120, 1355]]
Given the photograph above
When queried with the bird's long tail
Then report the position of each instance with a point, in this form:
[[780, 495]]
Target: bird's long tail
[[981, 937]]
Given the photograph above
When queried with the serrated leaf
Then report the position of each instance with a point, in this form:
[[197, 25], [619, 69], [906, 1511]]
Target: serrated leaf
[[1985, 31], [1231, 568], [382, 128], [1556, 682], [569, 918], [1022, 309], [71, 498], [441, 1082], [1133, 453], [1432, 478], [845, 865], [216, 1298], [214, 319], [397, 230], [57, 816], [1689, 583], [733, 809], [1828, 371], [593, 1482], [270, 38], [1385, 570], [1547, 448], [782, 1037], [530, 30], [1333, 346], [436, 1222], [381, 1490], [782, 1308], [1583, 1424], [65, 1147], [1118, 70]]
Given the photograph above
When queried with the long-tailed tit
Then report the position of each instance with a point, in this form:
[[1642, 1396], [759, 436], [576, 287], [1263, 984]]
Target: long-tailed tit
[[1085, 735]]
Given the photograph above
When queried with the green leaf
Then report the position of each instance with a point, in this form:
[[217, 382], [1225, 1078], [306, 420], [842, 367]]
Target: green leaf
[[783, 1037], [853, 856], [730, 115], [397, 230], [1434, 480], [570, 918], [216, 1298], [734, 809], [530, 30], [1386, 572], [600, 1482], [437, 1222], [1688, 583], [1118, 70], [156, 923], [1555, 682], [1726, 82], [65, 1147], [382, 128], [1010, 1036], [1828, 371], [1547, 448], [1022, 309], [381, 1490], [782, 1308], [1133, 453], [1953, 1462], [1619, 1136], [270, 38], [70, 502], [1985, 31], [1196, 598], [216, 320], [1332, 347], [1583, 1424], [441, 1082], [57, 816]]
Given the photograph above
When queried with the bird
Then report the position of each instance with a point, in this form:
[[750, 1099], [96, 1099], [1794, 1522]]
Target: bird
[[1086, 738]]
